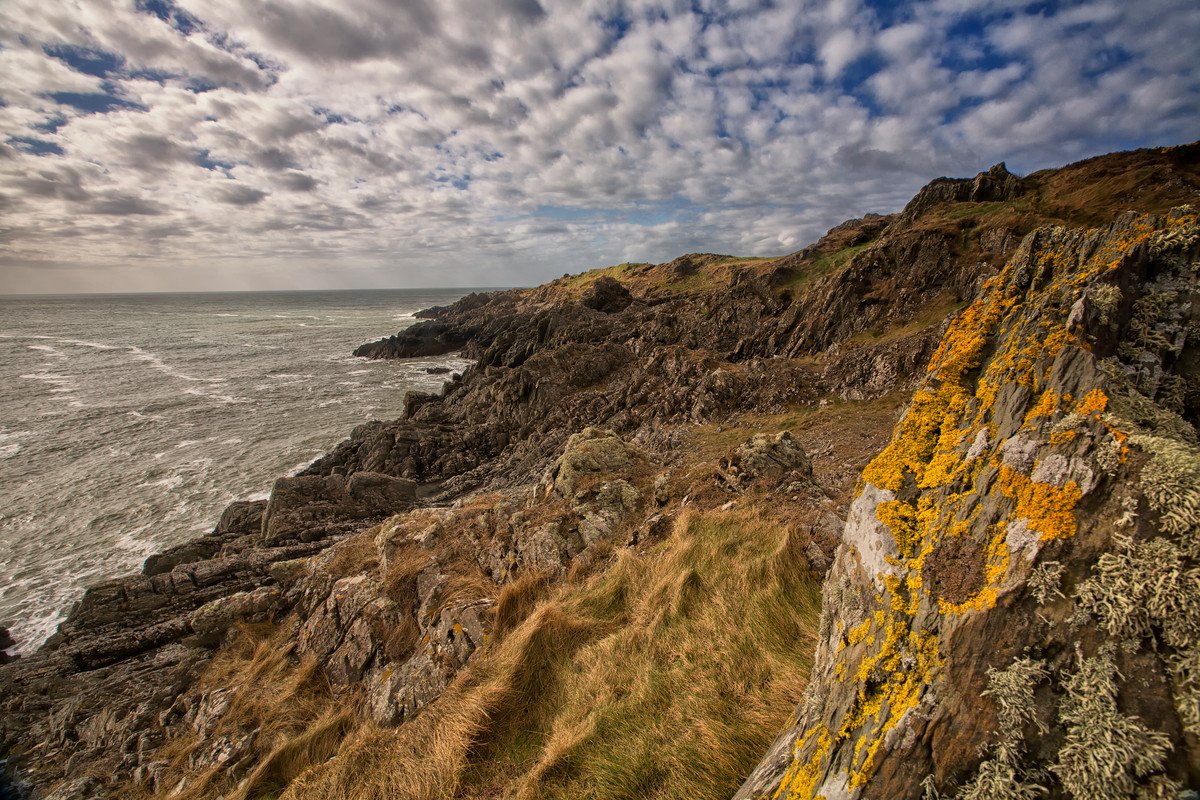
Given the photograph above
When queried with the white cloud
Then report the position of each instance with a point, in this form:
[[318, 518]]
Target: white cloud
[[362, 142]]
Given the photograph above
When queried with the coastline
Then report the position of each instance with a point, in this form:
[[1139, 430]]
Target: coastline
[[609, 425]]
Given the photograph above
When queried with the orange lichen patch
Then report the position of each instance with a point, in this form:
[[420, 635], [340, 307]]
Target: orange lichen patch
[[1046, 406], [1048, 510], [1063, 437], [1093, 403]]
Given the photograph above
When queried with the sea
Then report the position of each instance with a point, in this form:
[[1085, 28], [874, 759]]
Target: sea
[[128, 422]]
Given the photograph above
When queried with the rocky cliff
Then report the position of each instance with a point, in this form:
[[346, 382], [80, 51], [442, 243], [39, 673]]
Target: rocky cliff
[[1014, 608], [593, 565]]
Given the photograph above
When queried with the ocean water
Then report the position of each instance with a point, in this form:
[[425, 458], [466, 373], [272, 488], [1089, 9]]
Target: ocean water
[[127, 423]]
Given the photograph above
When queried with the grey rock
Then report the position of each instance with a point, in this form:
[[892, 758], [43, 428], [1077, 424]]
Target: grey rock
[[765, 457]]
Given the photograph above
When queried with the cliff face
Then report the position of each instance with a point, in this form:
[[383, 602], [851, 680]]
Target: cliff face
[[1021, 568], [594, 561]]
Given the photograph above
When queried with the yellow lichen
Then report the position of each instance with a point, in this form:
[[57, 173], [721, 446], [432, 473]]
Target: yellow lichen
[[801, 778], [858, 632]]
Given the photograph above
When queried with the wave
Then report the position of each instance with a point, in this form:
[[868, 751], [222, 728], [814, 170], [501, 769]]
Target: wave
[[169, 482], [92, 345], [48, 350], [156, 362], [63, 384]]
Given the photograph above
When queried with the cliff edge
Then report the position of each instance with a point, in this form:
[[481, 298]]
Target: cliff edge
[[669, 513]]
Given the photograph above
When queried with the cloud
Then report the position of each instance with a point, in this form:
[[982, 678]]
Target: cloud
[[483, 142], [240, 195], [124, 206]]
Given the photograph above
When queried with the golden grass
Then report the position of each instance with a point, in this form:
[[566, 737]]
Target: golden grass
[[666, 675], [289, 703]]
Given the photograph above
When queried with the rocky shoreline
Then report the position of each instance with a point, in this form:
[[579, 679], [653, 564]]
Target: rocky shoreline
[[568, 440]]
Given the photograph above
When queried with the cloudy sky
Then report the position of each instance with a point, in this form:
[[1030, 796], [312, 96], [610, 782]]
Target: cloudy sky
[[235, 144]]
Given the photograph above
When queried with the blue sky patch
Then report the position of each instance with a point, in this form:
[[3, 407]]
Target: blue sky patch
[[38, 147]]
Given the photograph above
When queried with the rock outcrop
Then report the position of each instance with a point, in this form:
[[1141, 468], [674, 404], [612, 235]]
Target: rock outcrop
[[104, 690], [999, 547], [1014, 607]]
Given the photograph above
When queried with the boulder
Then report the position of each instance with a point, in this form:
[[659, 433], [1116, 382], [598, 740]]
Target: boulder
[[590, 453], [211, 620], [768, 458], [607, 295]]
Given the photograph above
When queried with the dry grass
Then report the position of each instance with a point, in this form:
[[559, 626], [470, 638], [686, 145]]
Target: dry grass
[[664, 676], [288, 703], [353, 555]]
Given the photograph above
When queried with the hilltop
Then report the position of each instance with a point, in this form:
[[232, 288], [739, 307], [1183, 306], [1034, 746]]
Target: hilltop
[[909, 513]]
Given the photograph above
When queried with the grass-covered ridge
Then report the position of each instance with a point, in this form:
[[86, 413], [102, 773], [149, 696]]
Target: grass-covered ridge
[[664, 676]]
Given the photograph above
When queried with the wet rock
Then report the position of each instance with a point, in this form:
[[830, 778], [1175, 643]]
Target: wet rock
[[6, 643]]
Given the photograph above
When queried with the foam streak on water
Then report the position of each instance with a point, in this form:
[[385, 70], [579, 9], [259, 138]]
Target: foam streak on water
[[127, 423]]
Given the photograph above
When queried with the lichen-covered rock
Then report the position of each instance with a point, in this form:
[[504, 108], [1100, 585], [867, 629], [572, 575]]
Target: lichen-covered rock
[[1005, 543], [396, 692], [589, 453], [216, 616], [769, 458]]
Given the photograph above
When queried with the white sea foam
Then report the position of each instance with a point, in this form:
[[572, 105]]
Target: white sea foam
[[48, 350], [304, 464], [92, 345], [169, 482], [62, 384], [156, 362]]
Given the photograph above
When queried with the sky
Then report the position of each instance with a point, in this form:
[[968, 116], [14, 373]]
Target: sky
[[184, 145]]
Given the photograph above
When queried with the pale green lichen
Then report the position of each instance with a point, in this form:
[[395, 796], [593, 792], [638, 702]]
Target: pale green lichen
[[1106, 297], [1185, 669], [1002, 776], [1106, 755], [1171, 482], [1044, 581], [1108, 455], [1141, 586]]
